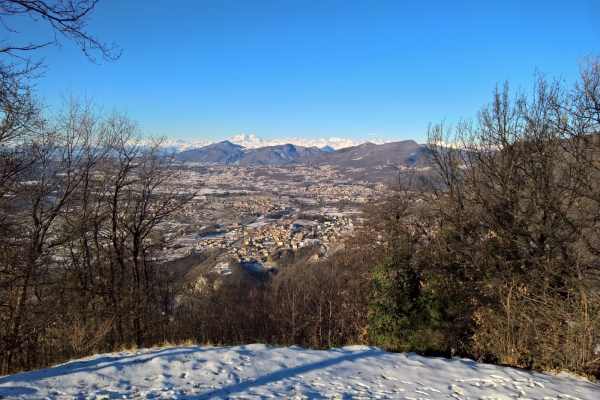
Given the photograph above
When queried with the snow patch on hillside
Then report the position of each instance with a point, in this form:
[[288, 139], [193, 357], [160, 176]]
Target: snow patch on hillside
[[260, 372]]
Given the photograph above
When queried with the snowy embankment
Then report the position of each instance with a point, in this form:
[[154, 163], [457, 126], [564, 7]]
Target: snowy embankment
[[259, 372]]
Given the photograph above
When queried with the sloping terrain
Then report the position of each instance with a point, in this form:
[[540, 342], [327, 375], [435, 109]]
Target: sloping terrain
[[221, 153], [253, 142], [368, 155], [227, 153], [276, 154], [260, 372], [373, 162]]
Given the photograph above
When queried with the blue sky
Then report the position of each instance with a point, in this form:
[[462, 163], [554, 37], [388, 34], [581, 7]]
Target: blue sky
[[206, 70]]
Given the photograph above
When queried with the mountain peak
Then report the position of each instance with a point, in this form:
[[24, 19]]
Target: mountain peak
[[249, 141], [253, 142]]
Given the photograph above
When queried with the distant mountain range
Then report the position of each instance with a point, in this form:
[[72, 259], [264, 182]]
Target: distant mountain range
[[365, 155], [369, 155], [233, 154], [254, 142], [336, 143]]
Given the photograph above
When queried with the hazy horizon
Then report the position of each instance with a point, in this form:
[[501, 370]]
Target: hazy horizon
[[204, 70]]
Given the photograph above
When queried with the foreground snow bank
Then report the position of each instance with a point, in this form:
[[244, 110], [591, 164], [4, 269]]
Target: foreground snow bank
[[258, 372]]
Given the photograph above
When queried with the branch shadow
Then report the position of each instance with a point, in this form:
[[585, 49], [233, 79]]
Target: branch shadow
[[354, 356]]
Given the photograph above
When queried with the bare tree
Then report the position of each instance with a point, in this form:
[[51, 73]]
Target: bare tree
[[65, 148], [68, 19], [145, 189], [515, 200]]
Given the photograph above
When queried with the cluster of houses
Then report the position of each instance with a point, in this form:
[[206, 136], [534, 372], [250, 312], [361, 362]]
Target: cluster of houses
[[255, 241]]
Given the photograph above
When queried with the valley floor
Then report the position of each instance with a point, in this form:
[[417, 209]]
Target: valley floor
[[260, 372]]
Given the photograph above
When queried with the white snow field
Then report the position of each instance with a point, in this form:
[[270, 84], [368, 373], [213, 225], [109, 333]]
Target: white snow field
[[261, 372]]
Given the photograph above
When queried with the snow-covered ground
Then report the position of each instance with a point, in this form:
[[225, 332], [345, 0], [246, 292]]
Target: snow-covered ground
[[260, 372]]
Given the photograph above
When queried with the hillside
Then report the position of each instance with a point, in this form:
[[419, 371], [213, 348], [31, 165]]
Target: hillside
[[368, 155], [228, 153], [253, 142], [222, 153], [276, 154], [257, 372]]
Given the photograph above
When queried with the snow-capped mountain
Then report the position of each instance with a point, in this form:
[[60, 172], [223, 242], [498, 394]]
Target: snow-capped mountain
[[248, 141], [379, 141], [336, 143], [173, 145], [254, 142], [181, 145]]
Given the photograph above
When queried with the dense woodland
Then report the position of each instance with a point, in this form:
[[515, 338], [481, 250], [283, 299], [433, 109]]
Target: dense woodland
[[492, 253], [497, 256], [80, 262]]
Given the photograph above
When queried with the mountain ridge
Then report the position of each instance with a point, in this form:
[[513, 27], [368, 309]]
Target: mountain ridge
[[250, 141], [228, 153], [365, 155]]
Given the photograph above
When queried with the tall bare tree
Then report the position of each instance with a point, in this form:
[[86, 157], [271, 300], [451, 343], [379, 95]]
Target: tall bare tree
[[517, 228]]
